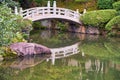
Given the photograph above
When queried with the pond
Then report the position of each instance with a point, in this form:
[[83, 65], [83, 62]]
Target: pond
[[98, 59]]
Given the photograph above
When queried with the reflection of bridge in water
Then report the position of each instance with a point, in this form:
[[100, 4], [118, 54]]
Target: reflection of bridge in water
[[64, 52], [30, 61]]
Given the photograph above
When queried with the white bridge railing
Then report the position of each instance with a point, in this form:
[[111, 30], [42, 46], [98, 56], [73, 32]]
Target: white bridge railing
[[63, 52], [39, 13]]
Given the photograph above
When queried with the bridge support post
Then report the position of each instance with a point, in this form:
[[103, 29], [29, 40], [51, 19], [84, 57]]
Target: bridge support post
[[48, 5], [53, 58], [54, 7], [16, 10]]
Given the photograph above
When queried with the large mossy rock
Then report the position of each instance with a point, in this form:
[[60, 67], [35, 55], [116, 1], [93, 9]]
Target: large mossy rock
[[98, 18], [23, 48]]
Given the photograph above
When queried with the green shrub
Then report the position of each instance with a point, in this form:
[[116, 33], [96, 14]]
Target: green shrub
[[11, 26], [116, 5], [98, 17], [113, 22], [105, 4], [81, 0]]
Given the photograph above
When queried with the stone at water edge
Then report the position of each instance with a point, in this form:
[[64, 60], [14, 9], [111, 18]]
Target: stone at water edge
[[23, 48]]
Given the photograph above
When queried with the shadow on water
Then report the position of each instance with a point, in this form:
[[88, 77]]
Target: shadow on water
[[98, 59]]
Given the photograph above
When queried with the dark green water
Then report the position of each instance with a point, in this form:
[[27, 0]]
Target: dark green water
[[99, 59]]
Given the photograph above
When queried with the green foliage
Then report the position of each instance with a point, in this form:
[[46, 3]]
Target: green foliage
[[41, 2], [105, 4], [8, 22], [37, 25], [113, 22], [62, 26], [81, 0], [11, 26], [98, 17], [116, 5], [10, 3]]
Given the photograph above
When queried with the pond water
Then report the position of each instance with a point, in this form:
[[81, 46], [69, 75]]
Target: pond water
[[98, 59]]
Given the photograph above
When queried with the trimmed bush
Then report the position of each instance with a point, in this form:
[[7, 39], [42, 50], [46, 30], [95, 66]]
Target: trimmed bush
[[116, 5], [98, 17], [113, 22], [105, 4]]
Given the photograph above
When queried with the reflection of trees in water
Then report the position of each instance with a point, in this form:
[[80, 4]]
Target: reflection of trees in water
[[93, 69], [46, 34], [54, 38], [73, 67]]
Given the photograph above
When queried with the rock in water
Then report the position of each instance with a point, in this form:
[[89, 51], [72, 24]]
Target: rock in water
[[23, 48]]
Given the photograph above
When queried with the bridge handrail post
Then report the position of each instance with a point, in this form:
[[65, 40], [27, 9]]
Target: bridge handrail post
[[77, 13], [77, 10], [66, 12], [32, 15], [21, 12], [27, 13], [54, 7], [48, 5], [16, 10], [84, 11], [43, 11]]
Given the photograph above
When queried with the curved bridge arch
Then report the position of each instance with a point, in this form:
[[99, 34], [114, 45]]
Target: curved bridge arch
[[39, 13]]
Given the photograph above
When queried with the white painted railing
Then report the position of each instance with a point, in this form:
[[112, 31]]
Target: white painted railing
[[38, 13], [63, 52]]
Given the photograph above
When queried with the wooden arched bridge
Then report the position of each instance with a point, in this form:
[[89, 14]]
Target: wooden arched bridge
[[39, 13]]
